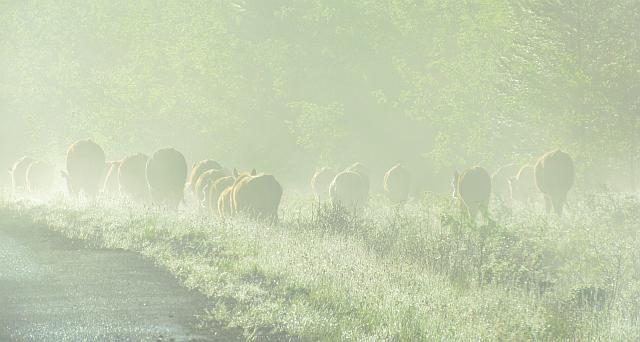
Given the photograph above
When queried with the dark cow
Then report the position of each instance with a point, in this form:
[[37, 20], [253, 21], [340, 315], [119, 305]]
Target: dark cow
[[473, 189], [111, 185], [257, 196], [362, 170], [397, 184], [166, 175], [85, 168], [349, 190], [523, 185], [555, 176], [320, 183], [18, 174], [132, 178], [500, 181]]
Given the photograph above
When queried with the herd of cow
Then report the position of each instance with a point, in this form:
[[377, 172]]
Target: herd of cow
[[552, 175], [164, 179]]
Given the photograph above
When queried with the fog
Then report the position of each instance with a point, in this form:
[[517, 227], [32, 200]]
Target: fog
[[289, 86], [313, 170]]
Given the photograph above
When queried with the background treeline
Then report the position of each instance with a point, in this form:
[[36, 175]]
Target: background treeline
[[288, 85]]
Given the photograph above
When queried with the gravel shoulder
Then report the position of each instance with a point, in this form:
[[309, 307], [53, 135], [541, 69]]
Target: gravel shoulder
[[54, 289]]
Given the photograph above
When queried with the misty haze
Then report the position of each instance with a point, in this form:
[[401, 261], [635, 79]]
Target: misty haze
[[309, 170]]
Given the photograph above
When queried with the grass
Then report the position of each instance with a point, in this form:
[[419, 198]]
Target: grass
[[407, 274]]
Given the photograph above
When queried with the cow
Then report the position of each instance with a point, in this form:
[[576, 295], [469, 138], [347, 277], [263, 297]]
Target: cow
[[472, 189], [132, 178], [166, 173], [500, 181], [555, 176], [85, 168], [198, 169], [213, 194], [320, 183], [18, 174], [225, 200], [111, 185], [257, 195], [349, 190], [523, 185], [362, 170], [225, 209], [205, 180], [397, 184], [40, 177]]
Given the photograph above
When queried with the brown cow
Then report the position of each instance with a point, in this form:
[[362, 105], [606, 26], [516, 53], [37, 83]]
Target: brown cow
[[214, 192], [85, 168], [555, 176], [40, 177], [18, 174], [225, 201], [349, 190], [257, 195], [397, 184], [320, 183], [198, 169], [132, 178], [166, 175], [225, 209], [523, 185], [205, 180], [473, 189]]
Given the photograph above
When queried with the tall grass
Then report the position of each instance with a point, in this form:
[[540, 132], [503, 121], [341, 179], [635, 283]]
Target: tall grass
[[418, 272]]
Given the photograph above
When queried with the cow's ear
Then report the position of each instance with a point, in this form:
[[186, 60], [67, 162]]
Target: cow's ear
[[253, 172], [235, 173]]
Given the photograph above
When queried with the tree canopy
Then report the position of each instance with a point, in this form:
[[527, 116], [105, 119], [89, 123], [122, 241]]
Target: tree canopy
[[289, 85]]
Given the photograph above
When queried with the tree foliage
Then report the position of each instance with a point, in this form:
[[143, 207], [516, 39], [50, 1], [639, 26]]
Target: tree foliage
[[280, 84]]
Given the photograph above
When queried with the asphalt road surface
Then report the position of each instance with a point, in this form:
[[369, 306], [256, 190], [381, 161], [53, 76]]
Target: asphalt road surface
[[53, 289]]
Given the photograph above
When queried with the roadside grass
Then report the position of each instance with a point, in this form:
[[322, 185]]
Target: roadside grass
[[418, 272]]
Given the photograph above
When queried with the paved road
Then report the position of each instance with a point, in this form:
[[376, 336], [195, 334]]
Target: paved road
[[52, 289]]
